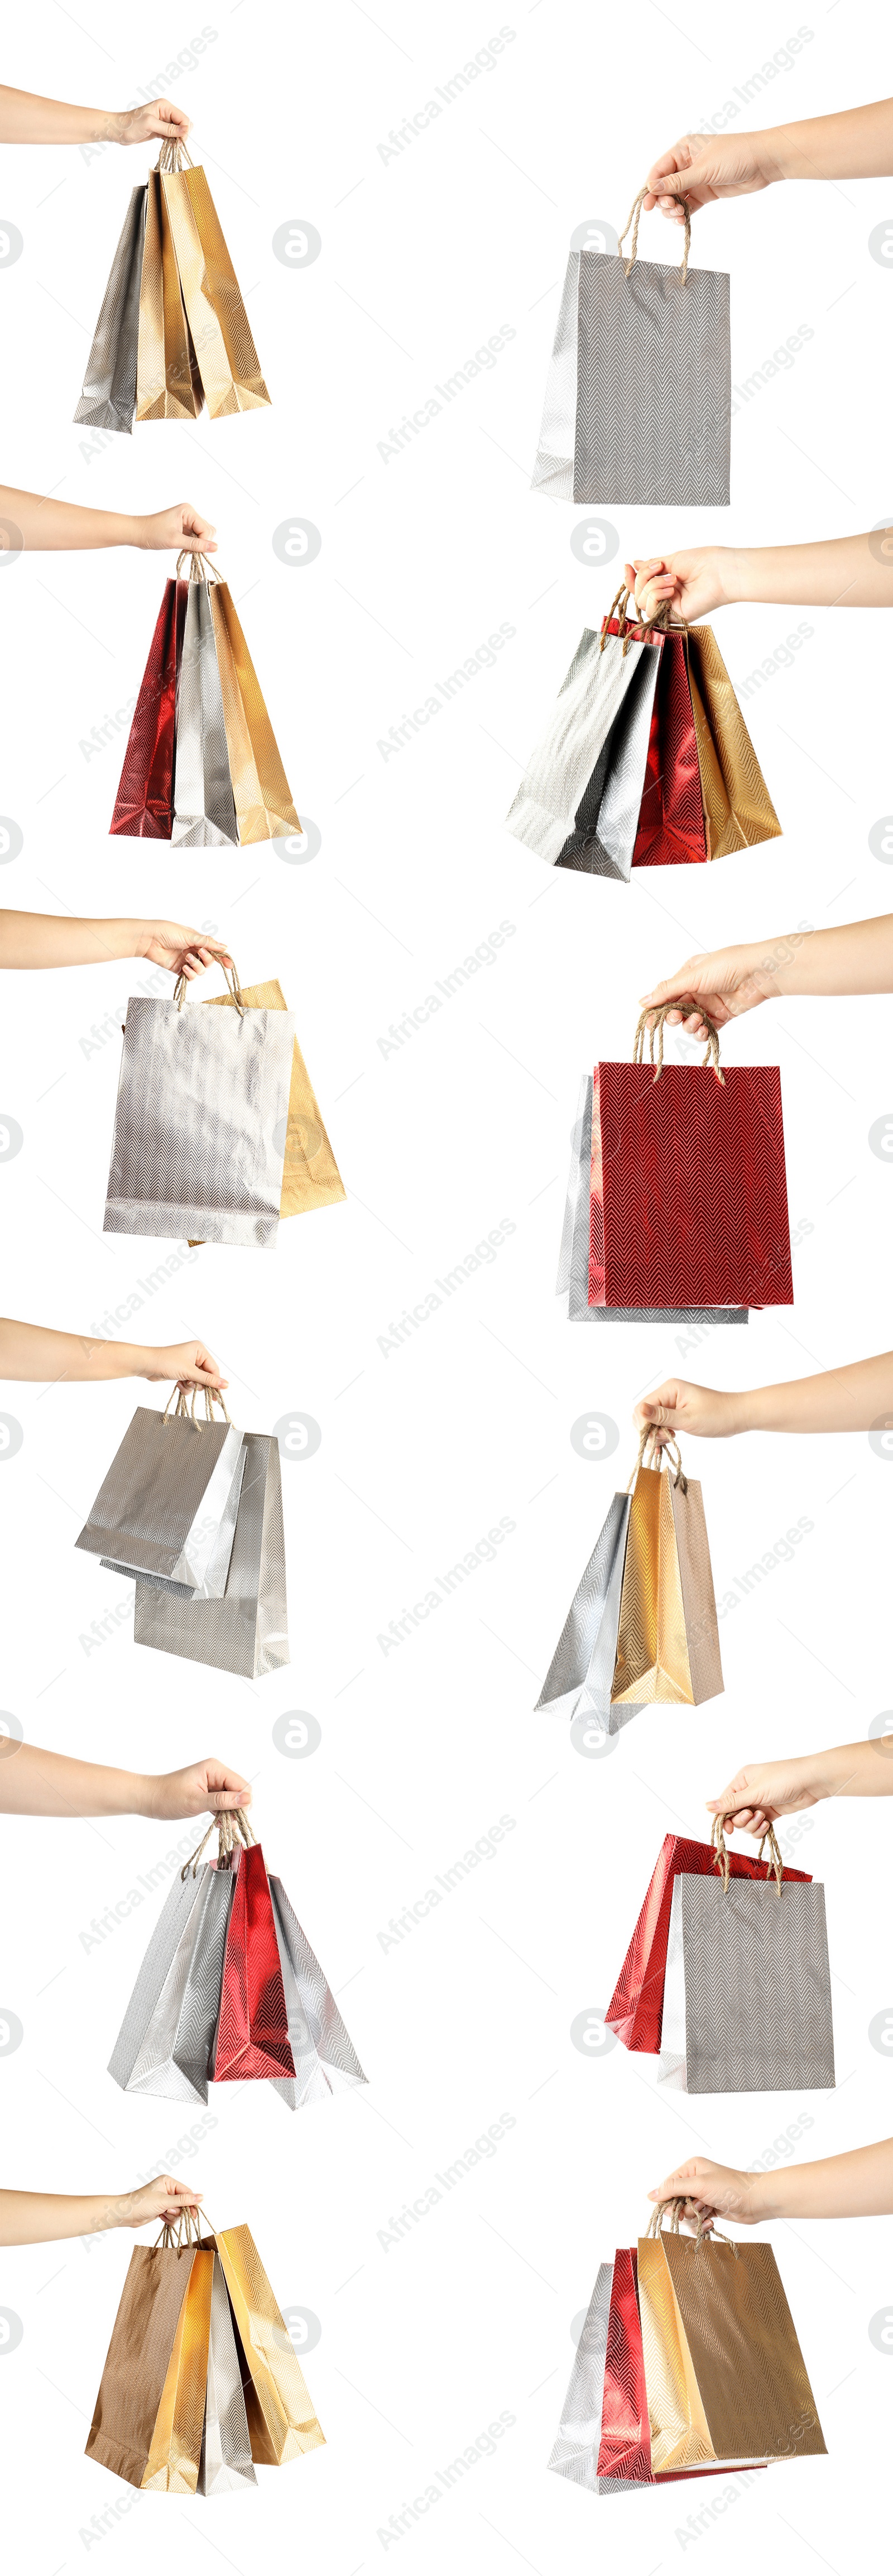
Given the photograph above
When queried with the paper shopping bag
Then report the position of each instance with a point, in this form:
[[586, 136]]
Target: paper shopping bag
[[565, 810], [168, 386], [173, 2056], [573, 1264], [136, 2364], [263, 798], [251, 2037], [310, 1175], [246, 1632], [109, 391], [742, 2349], [636, 2007], [624, 2450], [227, 358], [578, 2440], [642, 1628], [324, 2056], [226, 2451], [282, 2423], [200, 1123], [160, 1507], [144, 804], [747, 1989], [175, 2450], [204, 814]]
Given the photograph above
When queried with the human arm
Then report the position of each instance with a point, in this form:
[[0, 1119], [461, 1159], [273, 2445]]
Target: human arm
[[40, 2217], [35, 1351], [38, 522], [855, 957], [63, 939], [855, 143], [762, 1792], [34, 1782], [842, 1399], [828, 572], [858, 2184], [25, 118]]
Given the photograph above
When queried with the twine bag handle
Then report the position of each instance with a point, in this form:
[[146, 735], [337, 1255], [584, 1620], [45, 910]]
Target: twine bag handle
[[180, 1408], [173, 154], [682, 2208], [660, 623], [231, 1826], [230, 979], [774, 1864], [199, 567], [651, 1025], [666, 1450], [212, 1395], [633, 218]]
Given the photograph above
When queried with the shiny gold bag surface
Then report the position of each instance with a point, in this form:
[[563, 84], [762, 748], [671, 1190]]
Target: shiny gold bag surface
[[734, 2322], [310, 1175], [668, 1635], [168, 386], [173, 2464], [227, 358], [738, 810], [281, 2420], [264, 809]]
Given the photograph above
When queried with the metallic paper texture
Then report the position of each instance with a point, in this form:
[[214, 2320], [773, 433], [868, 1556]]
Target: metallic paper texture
[[172, 2061], [135, 2370], [160, 1508], [607, 817], [578, 1677], [573, 1264], [575, 746], [109, 394], [246, 1632], [214, 1585], [746, 2359], [225, 351], [688, 1194], [747, 1991], [576, 2447], [226, 2451], [696, 1582], [175, 2451], [324, 2055], [251, 2038], [310, 1175], [653, 384], [204, 811], [678, 2425], [200, 1124], [166, 388], [281, 2420], [182, 1897], [671, 828], [624, 2449], [635, 2009], [652, 1651], [262, 794], [144, 806], [554, 469], [737, 807]]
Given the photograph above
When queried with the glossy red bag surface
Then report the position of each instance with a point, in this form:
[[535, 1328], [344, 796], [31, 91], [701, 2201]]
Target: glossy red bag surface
[[625, 2445], [688, 1192], [635, 2011], [252, 2024], [671, 830], [144, 807]]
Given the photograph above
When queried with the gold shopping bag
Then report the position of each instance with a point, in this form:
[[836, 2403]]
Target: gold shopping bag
[[175, 2453], [738, 810], [168, 386], [281, 2419], [263, 800], [310, 1175], [744, 2372], [668, 1635], [227, 358]]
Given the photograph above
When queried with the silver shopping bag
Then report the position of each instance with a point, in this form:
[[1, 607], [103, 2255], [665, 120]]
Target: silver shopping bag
[[578, 1682], [204, 806], [179, 1905], [579, 799], [747, 1989], [226, 2448], [172, 2057], [162, 1507], [638, 397], [576, 2448], [325, 2058], [200, 1122], [246, 1632], [109, 393], [573, 1262]]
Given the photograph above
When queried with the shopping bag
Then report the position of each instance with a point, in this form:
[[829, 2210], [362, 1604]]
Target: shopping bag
[[742, 2352], [578, 802], [251, 2037], [638, 396], [172, 2059], [200, 1122], [168, 386], [642, 1627], [581, 1673], [688, 1187], [226, 2451], [204, 814], [144, 805], [263, 799], [136, 2364], [310, 1175], [246, 1632], [281, 2420], [227, 358], [109, 391], [576, 2448], [747, 1987], [160, 1507], [573, 1264], [324, 2056], [624, 2450], [175, 2450], [636, 2007]]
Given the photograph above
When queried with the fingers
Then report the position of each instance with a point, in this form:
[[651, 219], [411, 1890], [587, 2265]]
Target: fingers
[[225, 1788], [198, 533], [676, 2186]]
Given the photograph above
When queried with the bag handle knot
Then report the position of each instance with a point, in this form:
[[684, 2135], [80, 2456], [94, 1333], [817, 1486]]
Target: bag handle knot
[[232, 1827], [774, 1864], [633, 218], [682, 2207], [651, 1025]]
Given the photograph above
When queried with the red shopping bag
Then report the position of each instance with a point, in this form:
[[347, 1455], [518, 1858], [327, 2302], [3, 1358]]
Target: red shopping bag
[[625, 2445], [252, 2024], [635, 2011], [704, 793], [144, 807], [671, 829], [688, 1192]]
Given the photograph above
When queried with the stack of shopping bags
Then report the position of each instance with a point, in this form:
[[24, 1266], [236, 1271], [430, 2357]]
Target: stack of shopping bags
[[230, 1991], [642, 1627], [646, 761], [677, 1199], [202, 765], [172, 331], [191, 1510], [726, 1980], [688, 2362], [201, 2378], [218, 1132]]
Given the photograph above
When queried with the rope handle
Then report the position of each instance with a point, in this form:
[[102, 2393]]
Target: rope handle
[[232, 1827], [199, 567], [774, 1864], [172, 2239], [705, 2232], [665, 1450], [651, 1025], [173, 154], [659, 624], [232, 983], [184, 1413], [633, 218]]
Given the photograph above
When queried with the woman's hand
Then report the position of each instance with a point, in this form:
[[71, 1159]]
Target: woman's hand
[[182, 526], [181, 951], [756, 1798], [163, 2198], [204, 1786], [727, 981], [704, 167], [190, 1363], [690, 584], [676, 1406], [712, 2191], [141, 124]]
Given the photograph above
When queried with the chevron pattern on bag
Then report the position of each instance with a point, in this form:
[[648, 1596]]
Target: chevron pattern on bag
[[653, 385]]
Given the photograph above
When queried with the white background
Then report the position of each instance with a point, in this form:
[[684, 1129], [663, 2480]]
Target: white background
[[425, 1448]]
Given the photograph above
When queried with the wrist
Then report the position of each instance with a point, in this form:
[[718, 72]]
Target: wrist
[[736, 1412], [146, 1793]]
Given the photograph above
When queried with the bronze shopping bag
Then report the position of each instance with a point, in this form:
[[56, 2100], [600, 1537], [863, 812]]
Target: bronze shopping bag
[[264, 809], [168, 385], [136, 2364], [739, 2370], [227, 358], [738, 809], [175, 2453], [668, 1636]]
